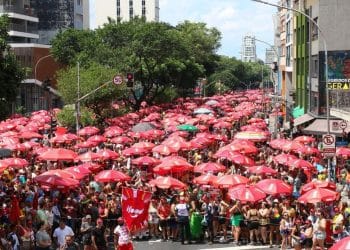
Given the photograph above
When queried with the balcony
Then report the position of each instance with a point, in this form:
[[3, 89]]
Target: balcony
[[23, 28], [15, 9]]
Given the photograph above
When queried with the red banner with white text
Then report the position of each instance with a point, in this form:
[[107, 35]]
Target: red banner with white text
[[135, 204]]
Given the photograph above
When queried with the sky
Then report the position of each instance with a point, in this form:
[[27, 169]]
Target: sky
[[234, 18]]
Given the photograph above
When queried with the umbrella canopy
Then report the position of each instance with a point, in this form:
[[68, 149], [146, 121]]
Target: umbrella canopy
[[308, 150], [343, 244], [200, 111], [61, 173], [284, 158], [58, 154], [343, 152], [164, 150], [30, 135], [55, 181], [111, 176], [145, 161], [107, 154], [121, 140], [78, 172], [252, 136], [304, 139], [142, 127], [246, 193], [134, 151], [88, 131], [274, 187], [187, 127], [15, 162], [259, 170], [167, 182], [236, 158], [227, 181], [318, 195], [205, 179], [88, 156], [86, 144], [211, 167], [97, 138], [299, 163], [318, 184]]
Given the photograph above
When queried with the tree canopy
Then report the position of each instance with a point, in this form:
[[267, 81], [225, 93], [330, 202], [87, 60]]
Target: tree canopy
[[11, 74]]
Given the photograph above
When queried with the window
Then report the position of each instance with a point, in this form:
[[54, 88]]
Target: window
[[288, 57], [314, 67], [314, 30], [78, 2], [131, 9], [289, 34]]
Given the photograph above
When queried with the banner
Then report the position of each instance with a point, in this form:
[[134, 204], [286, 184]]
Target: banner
[[135, 204]]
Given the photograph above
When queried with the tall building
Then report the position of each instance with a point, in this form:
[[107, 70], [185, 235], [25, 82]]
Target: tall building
[[23, 20], [248, 53], [60, 14], [124, 10], [270, 56]]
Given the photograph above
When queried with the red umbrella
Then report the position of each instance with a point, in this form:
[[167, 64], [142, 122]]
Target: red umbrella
[[222, 124], [30, 144], [241, 148], [113, 131], [291, 145], [299, 163], [262, 170], [86, 144], [15, 147], [252, 136], [206, 179], [145, 145], [121, 140], [343, 244], [88, 131], [146, 161], [174, 164], [88, 156], [227, 181], [63, 138], [212, 167], [284, 158], [97, 139], [61, 173], [246, 193], [236, 158], [164, 150], [93, 167], [55, 181], [167, 182], [278, 143], [274, 187], [134, 151], [318, 195], [30, 135], [15, 162], [343, 152], [107, 154], [318, 184], [255, 120], [308, 151], [58, 154], [304, 139], [78, 172], [111, 176]]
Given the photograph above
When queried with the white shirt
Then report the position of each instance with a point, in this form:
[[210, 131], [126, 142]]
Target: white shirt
[[62, 233], [123, 234], [182, 209]]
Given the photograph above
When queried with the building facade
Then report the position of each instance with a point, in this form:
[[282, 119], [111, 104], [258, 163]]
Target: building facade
[[248, 52], [270, 56], [55, 15], [124, 10], [23, 20]]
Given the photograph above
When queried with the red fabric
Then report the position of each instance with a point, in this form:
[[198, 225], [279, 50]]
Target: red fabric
[[128, 246], [15, 210], [135, 204]]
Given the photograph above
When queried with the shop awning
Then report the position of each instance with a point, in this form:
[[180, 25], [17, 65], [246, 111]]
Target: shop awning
[[319, 127], [298, 111], [303, 119]]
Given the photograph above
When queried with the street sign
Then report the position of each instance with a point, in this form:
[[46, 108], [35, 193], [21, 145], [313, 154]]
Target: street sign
[[343, 125], [328, 145], [118, 79]]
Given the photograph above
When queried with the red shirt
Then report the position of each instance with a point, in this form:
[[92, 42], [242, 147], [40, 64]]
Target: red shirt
[[164, 210]]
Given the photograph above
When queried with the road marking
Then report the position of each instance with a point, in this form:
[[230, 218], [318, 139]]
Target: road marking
[[236, 247]]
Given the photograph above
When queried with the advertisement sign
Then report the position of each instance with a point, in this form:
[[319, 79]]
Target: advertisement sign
[[135, 204], [339, 70]]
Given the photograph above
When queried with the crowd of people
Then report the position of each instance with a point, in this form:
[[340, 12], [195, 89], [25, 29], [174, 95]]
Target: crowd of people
[[89, 216]]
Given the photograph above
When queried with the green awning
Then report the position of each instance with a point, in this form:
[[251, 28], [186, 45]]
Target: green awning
[[298, 111]]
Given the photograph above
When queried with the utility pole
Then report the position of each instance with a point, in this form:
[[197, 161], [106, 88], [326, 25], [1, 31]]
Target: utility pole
[[77, 104]]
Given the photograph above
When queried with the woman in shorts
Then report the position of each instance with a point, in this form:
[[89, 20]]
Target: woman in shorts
[[253, 223], [153, 219], [236, 220]]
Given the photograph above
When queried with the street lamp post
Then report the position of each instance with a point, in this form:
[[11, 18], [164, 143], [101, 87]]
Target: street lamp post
[[325, 53]]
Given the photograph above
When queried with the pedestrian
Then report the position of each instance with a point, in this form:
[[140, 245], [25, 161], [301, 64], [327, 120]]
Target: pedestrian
[[70, 244], [122, 238], [86, 231], [319, 231], [237, 218], [182, 210], [99, 236], [61, 232]]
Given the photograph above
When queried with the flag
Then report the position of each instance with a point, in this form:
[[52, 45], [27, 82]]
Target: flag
[[135, 204]]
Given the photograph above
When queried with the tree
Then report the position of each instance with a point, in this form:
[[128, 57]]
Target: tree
[[91, 77], [11, 74]]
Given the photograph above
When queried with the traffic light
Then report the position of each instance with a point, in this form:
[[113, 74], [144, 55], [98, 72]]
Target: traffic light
[[129, 80]]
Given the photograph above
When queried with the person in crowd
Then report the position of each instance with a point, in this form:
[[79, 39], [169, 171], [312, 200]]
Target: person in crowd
[[153, 219], [236, 220], [86, 231], [70, 244], [122, 238], [264, 216], [182, 210], [285, 230], [306, 235], [297, 235], [319, 231], [61, 232], [275, 219], [208, 214], [223, 215], [252, 217], [12, 238], [99, 236], [337, 223], [163, 212]]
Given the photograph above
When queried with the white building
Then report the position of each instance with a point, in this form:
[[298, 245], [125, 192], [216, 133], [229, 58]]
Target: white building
[[123, 10], [270, 56], [248, 53]]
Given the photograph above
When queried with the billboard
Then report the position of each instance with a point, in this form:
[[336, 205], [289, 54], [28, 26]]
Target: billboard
[[338, 70]]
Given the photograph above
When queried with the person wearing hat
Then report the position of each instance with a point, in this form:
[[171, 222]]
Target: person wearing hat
[[85, 230], [275, 219], [122, 238]]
